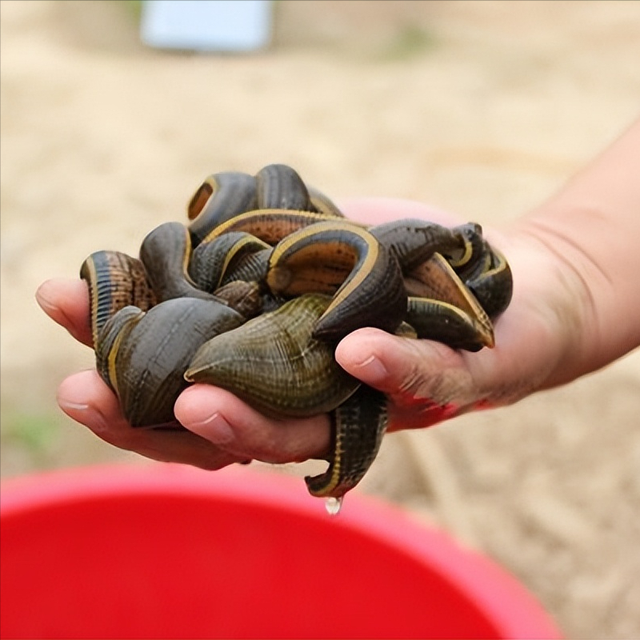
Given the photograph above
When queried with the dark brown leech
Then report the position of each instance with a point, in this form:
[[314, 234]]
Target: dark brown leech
[[115, 280], [442, 308], [414, 241], [269, 225], [247, 298], [358, 426], [323, 204], [165, 253], [494, 287], [280, 187], [145, 355], [212, 263], [316, 258], [221, 197], [273, 363]]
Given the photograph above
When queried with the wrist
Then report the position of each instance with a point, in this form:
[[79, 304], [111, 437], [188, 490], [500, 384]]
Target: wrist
[[565, 289]]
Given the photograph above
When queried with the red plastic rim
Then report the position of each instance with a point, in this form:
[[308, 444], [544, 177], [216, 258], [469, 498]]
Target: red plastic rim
[[100, 547]]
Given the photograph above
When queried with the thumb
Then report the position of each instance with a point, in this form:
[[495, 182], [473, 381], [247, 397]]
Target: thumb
[[416, 374]]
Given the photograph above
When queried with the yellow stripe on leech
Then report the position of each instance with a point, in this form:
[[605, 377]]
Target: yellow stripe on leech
[[473, 307], [366, 267], [93, 292], [337, 464], [501, 266], [244, 221], [466, 256], [111, 362], [334, 482], [232, 253], [186, 258], [366, 264], [187, 253]]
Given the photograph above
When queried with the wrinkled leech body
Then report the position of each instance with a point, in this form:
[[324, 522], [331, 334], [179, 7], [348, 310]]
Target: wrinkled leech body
[[280, 187], [229, 257], [221, 196], [165, 253], [145, 355], [343, 260], [357, 427], [268, 225], [440, 307], [123, 281], [254, 294], [493, 286], [255, 359]]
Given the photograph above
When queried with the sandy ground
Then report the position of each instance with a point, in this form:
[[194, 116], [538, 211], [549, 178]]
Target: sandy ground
[[483, 108]]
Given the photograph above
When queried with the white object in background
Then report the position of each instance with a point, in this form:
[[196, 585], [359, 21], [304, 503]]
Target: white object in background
[[206, 25]]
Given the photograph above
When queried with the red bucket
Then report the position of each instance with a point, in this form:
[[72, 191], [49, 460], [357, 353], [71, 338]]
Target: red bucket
[[166, 551]]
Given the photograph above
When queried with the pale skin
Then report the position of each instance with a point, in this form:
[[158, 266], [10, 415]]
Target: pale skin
[[575, 309]]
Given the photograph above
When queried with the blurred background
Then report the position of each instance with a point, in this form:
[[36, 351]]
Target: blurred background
[[482, 108]]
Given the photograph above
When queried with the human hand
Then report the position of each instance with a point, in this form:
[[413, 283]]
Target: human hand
[[426, 381], [221, 429]]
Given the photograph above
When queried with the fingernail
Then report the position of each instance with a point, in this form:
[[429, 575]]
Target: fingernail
[[72, 406], [214, 428], [372, 369], [43, 299], [84, 414]]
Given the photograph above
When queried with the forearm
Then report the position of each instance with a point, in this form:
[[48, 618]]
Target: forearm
[[591, 227]]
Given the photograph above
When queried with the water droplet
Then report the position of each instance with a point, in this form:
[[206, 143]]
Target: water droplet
[[333, 505]]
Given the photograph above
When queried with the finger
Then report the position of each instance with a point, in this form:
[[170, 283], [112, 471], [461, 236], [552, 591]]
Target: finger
[[87, 399], [221, 418], [426, 381], [407, 368], [66, 302]]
